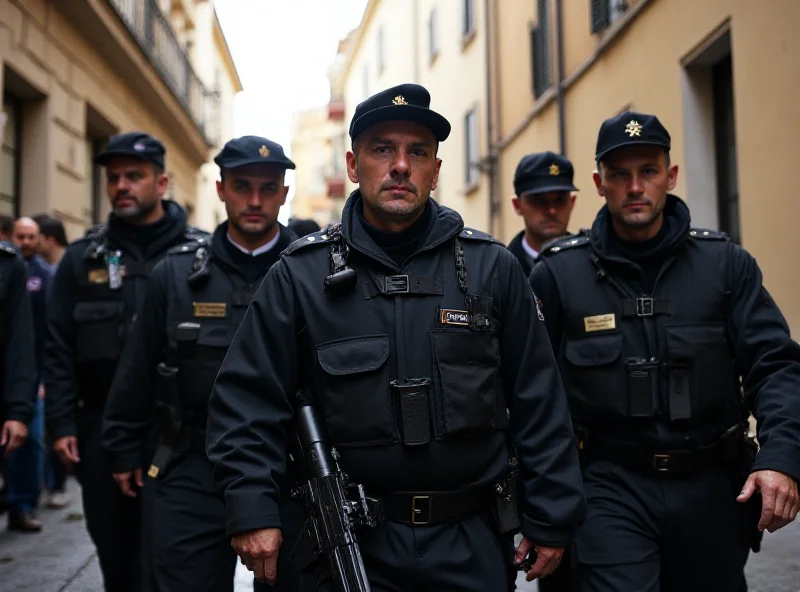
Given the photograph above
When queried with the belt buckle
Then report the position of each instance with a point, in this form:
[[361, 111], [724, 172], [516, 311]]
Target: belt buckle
[[644, 307], [424, 512], [661, 462], [396, 284]]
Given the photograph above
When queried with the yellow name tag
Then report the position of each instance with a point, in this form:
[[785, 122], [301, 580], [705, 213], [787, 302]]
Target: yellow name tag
[[209, 309], [599, 323], [98, 276]]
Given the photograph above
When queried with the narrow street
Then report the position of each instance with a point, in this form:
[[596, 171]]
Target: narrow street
[[61, 558]]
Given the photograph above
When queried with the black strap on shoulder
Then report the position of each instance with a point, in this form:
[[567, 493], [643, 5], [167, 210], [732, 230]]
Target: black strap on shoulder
[[342, 278], [478, 307], [391, 285], [199, 272]]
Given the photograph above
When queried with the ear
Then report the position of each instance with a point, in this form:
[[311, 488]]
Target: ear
[[285, 192], [162, 183], [352, 169], [572, 202], [219, 191], [517, 203], [672, 177], [598, 183], [437, 166]]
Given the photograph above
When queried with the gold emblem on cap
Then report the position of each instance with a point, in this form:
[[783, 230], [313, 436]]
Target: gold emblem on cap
[[555, 170], [399, 100], [263, 151], [634, 128]]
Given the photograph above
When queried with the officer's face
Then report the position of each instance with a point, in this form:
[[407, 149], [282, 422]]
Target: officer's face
[[134, 187], [26, 237], [396, 168], [635, 181], [546, 215], [253, 196]]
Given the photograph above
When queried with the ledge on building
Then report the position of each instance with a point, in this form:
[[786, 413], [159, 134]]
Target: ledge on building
[[335, 187]]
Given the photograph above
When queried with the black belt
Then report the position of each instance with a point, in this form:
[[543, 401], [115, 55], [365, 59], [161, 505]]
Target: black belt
[[676, 461], [422, 508]]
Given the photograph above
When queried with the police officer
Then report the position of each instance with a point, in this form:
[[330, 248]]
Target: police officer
[[18, 378], [543, 197], [654, 324], [196, 299], [96, 290], [426, 334]]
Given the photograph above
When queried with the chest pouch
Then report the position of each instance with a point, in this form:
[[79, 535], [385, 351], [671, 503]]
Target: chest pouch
[[413, 394]]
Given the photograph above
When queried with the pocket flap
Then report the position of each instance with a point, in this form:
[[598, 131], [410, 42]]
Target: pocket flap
[[214, 335], [689, 341], [594, 351], [97, 310], [352, 356]]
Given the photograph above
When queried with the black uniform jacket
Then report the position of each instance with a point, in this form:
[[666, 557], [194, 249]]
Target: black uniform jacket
[[17, 354], [708, 323], [88, 320], [515, 246], [346, 350], [217, 302]]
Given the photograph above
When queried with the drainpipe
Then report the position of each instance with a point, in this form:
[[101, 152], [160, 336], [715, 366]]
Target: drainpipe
[[492, 160], [562, 116]]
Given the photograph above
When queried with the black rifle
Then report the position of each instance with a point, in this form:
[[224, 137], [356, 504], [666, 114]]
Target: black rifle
[[332, 516]]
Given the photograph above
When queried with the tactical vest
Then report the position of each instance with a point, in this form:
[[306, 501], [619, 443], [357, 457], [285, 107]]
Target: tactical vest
[[625, 355], [7, 253]]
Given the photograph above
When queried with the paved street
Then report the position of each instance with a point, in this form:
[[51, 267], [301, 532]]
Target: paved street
[[62, 559]]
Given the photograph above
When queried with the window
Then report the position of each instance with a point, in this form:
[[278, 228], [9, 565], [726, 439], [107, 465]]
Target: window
[[10, 157], [540, 59], [725, 148], [433, 41], [380, 51], [471, 148], [605, 12], [468, 17], [94, 182]]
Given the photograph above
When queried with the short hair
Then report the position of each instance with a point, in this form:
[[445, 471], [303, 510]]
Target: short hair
[[52, 227], [6, 224]]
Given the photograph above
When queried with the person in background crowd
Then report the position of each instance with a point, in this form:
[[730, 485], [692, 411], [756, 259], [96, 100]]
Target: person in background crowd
[[6, 227], [53, 238], [302, 227]]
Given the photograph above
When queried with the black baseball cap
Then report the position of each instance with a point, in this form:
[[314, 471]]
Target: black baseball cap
[[631, 129], [136, 144], [251, 150], [543, 172], [406, 102]]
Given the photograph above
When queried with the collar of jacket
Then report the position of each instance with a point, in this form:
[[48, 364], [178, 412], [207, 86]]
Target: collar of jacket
[[220, 236], [447, 224]]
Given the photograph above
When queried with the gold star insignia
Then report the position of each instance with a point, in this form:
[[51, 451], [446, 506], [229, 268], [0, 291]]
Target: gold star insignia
[[399, 100], [634, 128], [263, 151], [555, 170]]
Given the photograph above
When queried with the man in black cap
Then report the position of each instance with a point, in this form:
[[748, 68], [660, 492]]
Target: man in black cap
[[413, 336], [168, 369], [543, 188], [96, 291], [666, 338]]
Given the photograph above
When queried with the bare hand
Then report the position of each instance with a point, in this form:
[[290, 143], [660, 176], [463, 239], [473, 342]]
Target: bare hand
[[124, 481], [13, 436], [779, 498], [258, 550], [66, 448], [547, 559]]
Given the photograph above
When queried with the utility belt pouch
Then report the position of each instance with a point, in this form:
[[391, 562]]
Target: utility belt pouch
[[507, 500], [413, 394], [680, 404], [642, 385], [479, 309]]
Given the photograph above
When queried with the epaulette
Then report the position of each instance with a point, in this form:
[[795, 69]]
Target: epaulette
[[97, 231], [191, 233], [315, 238], [563, 243], [472, 234], [190, 246], [96, 236], [705, 234], [7, 248]]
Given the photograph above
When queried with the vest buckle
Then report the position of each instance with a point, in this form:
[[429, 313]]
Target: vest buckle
[[644, 307], [395, 284]]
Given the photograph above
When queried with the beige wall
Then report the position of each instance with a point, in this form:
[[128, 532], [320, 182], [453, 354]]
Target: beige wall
[[63, 78], [456, 80], [312, 154], [642, 63]]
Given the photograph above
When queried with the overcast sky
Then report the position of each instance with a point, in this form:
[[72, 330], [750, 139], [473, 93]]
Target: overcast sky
[[282, 50]]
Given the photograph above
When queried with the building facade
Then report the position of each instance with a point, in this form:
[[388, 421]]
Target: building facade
[[74, 73], [442, 45], [722, 75]]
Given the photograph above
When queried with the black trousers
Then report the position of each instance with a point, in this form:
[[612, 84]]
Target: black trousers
[[112, 519], [464, 556], [659, 532], [186, 547]]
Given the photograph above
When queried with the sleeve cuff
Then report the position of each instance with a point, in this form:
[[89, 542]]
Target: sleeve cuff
[[783, 462], [127, 461], [63, 429], [251, 518], [546, 537]]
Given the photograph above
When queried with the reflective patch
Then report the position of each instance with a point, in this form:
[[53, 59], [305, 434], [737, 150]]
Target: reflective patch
[[210, 309], [98, 276], [34, 284], [599, 323], [454, 317]]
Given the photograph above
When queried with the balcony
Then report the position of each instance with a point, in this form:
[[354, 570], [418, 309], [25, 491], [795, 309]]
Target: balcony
[[154, 35], [335, 187]]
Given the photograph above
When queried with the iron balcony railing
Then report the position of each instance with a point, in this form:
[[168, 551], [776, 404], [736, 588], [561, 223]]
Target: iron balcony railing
[[151, 29]]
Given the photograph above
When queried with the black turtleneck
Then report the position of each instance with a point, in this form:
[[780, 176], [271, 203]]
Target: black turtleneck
[[399, 246], [648, 254], [251, 266], [145, 236]]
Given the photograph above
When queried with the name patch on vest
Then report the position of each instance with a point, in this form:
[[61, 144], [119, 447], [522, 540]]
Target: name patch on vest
[[454, 317], [210, 309], [599, 323], [98, 276]]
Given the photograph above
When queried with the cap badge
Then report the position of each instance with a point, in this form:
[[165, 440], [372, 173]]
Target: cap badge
[[634, 128], [263, 151], [139, 147], [555, 170], [399, 100]]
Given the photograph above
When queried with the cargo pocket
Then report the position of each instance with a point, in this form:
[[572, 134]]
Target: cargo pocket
[[595, 377], [356, 398], [699, 356], [99, 330], [198, 372], [464, 379]]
